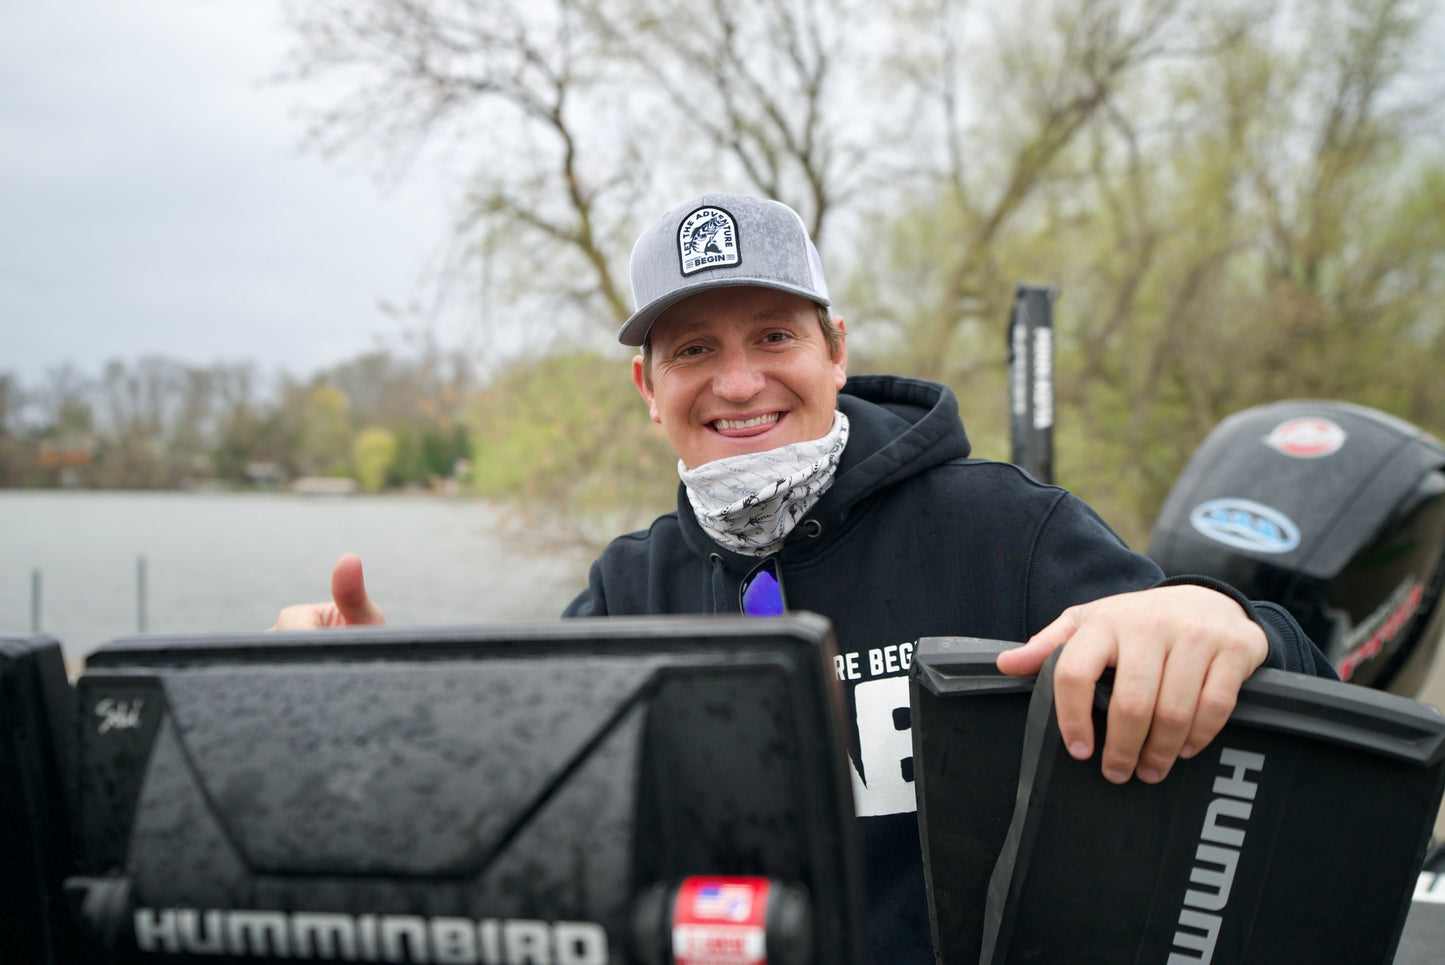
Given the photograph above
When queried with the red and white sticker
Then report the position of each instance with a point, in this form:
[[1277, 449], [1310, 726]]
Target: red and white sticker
[[720, 921], [1369, 637], [1308, 437]]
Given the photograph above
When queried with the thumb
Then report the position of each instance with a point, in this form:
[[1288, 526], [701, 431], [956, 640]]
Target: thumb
[[348, 590]]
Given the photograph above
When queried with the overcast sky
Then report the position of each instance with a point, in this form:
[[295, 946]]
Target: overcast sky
[[154, 198]]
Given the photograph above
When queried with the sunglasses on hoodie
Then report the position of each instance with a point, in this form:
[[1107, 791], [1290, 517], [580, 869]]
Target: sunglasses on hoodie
[[761, 593]]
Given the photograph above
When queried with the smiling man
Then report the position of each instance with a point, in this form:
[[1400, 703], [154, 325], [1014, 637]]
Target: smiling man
[[860, 494]]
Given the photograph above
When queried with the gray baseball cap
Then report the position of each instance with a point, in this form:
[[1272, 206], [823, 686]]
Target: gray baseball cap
[[720, 241]]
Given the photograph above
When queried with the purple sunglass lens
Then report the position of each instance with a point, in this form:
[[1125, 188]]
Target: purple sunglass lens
[[762, 596]]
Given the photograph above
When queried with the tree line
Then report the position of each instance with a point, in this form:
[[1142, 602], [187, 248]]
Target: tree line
[[382, 419]]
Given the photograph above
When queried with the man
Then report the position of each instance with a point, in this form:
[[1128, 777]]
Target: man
[[861, 493]]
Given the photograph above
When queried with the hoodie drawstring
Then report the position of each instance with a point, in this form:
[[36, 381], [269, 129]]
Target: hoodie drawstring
[[720, 595]]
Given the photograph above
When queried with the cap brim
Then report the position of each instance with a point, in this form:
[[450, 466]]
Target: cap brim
[[634, 330]]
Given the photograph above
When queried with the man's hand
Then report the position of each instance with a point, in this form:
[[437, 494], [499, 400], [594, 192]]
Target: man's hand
[[349, 604], [1180, 655]]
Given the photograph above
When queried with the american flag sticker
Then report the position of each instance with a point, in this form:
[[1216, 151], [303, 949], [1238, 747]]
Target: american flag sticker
[[723, 902], [720, 921]]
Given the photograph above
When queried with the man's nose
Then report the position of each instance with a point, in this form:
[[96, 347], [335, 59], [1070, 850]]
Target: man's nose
[[738, 376]]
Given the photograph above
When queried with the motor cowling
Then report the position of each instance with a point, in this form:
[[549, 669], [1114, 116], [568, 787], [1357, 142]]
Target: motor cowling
[[1334, 511]]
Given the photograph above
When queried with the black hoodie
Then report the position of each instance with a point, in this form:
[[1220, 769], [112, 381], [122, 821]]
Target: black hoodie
[[913, 539]]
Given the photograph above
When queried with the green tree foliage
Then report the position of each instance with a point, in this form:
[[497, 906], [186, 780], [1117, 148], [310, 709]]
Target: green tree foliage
[[373, 453], [1239, 221], [253, 439], [325, 430], [571, 430], [408, 466], [442, 449]]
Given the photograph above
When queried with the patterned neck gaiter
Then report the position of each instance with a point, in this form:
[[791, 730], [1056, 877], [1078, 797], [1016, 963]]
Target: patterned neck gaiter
[[749, 503]]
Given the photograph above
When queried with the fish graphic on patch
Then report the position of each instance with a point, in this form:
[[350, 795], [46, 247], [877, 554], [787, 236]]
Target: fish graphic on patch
[[704, 236]]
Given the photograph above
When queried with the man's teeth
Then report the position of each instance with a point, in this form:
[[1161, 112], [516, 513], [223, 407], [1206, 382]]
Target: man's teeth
[[745, 423]]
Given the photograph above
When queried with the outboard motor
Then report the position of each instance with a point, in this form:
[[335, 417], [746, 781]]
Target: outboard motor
[[1334, 511]]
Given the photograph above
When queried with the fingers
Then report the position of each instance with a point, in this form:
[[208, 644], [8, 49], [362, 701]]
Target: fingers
[[348, 590], [1180, 655], [308, 616], [1092, 649], [1027, 660], [349, 604], [1074, 676], [1172, 721], [1130, 716], [1217, 700], [1201, 688]]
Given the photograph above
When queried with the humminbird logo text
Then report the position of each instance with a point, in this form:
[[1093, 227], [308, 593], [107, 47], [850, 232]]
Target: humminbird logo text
[[1216, 858], [370, 938]]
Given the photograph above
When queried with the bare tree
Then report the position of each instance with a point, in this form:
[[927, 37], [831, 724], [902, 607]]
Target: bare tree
[[1018, 111], [572, 115], [511, 86], [1225, 193], [775, 89]]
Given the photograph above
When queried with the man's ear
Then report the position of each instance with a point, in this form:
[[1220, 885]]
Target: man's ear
[[639, 379], [840, 357]]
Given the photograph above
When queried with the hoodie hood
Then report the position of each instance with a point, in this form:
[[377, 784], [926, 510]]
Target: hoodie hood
[[901, 427]]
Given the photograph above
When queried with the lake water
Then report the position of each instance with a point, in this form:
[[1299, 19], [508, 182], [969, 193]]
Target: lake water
[[226, 562]]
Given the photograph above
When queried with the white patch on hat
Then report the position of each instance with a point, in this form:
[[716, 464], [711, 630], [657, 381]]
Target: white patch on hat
[[707, 238]]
